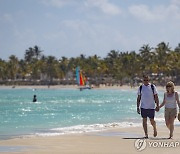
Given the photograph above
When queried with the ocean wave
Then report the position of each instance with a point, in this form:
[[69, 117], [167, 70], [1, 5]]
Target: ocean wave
[[78, 129]]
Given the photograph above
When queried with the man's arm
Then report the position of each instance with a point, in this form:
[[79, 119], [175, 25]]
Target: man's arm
[[138, 103], [156, 101]]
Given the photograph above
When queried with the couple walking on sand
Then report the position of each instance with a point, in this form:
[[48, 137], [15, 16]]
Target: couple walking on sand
[[148, 103]]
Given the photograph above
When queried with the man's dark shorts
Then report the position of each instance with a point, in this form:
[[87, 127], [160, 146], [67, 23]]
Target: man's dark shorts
[[147, 113]]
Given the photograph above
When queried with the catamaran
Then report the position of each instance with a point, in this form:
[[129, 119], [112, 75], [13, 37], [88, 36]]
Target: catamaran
[[81, 80]]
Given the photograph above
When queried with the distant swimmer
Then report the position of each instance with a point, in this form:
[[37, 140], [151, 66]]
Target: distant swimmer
[[34, 99]]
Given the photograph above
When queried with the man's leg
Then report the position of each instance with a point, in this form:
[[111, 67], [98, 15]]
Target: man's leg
[[145, 127], [153, 123]]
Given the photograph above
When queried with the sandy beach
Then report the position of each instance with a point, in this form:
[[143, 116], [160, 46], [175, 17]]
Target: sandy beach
[[114, 141]]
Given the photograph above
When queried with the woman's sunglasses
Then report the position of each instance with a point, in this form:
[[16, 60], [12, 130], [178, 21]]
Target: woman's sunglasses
[[168, 86]]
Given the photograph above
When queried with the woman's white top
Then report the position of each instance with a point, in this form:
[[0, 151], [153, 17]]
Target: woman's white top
[[170, 101]]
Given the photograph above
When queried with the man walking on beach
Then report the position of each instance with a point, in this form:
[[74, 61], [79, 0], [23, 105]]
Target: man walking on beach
[[146, 100]]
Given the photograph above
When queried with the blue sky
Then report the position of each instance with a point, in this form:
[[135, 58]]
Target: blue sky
[[73, 27]]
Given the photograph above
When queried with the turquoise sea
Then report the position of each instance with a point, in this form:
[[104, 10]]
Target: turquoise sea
[[66, 111]]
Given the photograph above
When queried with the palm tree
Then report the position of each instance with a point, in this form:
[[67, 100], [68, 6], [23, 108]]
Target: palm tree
[[3, 66], [52, 68], [113, 54], [29, 54], [63, 66], [37, 52], [146, 58], [13, 66], [162, 52], [111, 60], [177, 49]]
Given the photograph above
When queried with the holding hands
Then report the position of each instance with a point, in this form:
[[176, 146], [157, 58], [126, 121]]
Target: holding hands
[[138, 110], [157, 109]]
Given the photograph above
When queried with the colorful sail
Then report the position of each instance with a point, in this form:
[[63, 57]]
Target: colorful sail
[[81, 80], [78, 75]]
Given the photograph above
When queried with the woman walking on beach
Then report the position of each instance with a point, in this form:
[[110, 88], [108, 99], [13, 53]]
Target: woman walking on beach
[[171, 99]]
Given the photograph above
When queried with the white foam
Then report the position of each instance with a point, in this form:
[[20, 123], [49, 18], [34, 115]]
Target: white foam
[[78, 129], [28, 109]]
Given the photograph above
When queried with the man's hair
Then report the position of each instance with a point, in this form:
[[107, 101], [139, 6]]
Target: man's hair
[[145, 76]]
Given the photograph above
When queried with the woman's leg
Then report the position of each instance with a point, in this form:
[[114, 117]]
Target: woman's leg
[[171, 120], [167, 122]]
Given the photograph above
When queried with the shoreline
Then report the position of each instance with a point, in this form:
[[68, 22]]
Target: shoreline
[[124, 87], [112, 141]]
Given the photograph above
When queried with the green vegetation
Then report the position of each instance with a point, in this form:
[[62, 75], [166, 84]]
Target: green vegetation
[[161, 63]]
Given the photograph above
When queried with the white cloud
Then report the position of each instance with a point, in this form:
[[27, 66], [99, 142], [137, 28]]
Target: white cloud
[[175, 2], [174, 10], [6, 18], [82, 29], [57, 3], [95, 37], [104, 5], [157, 13], [144, 13]]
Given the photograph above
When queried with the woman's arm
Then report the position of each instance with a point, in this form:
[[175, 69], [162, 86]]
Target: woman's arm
[[177, 99], [163, 103]]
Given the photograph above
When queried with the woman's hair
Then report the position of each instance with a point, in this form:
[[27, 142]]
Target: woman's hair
[[170, 84]]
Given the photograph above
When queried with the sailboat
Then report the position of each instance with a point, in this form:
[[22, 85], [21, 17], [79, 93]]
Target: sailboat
[[81, 80]]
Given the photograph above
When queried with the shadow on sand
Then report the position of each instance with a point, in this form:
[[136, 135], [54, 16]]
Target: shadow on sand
[[150, 138]]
